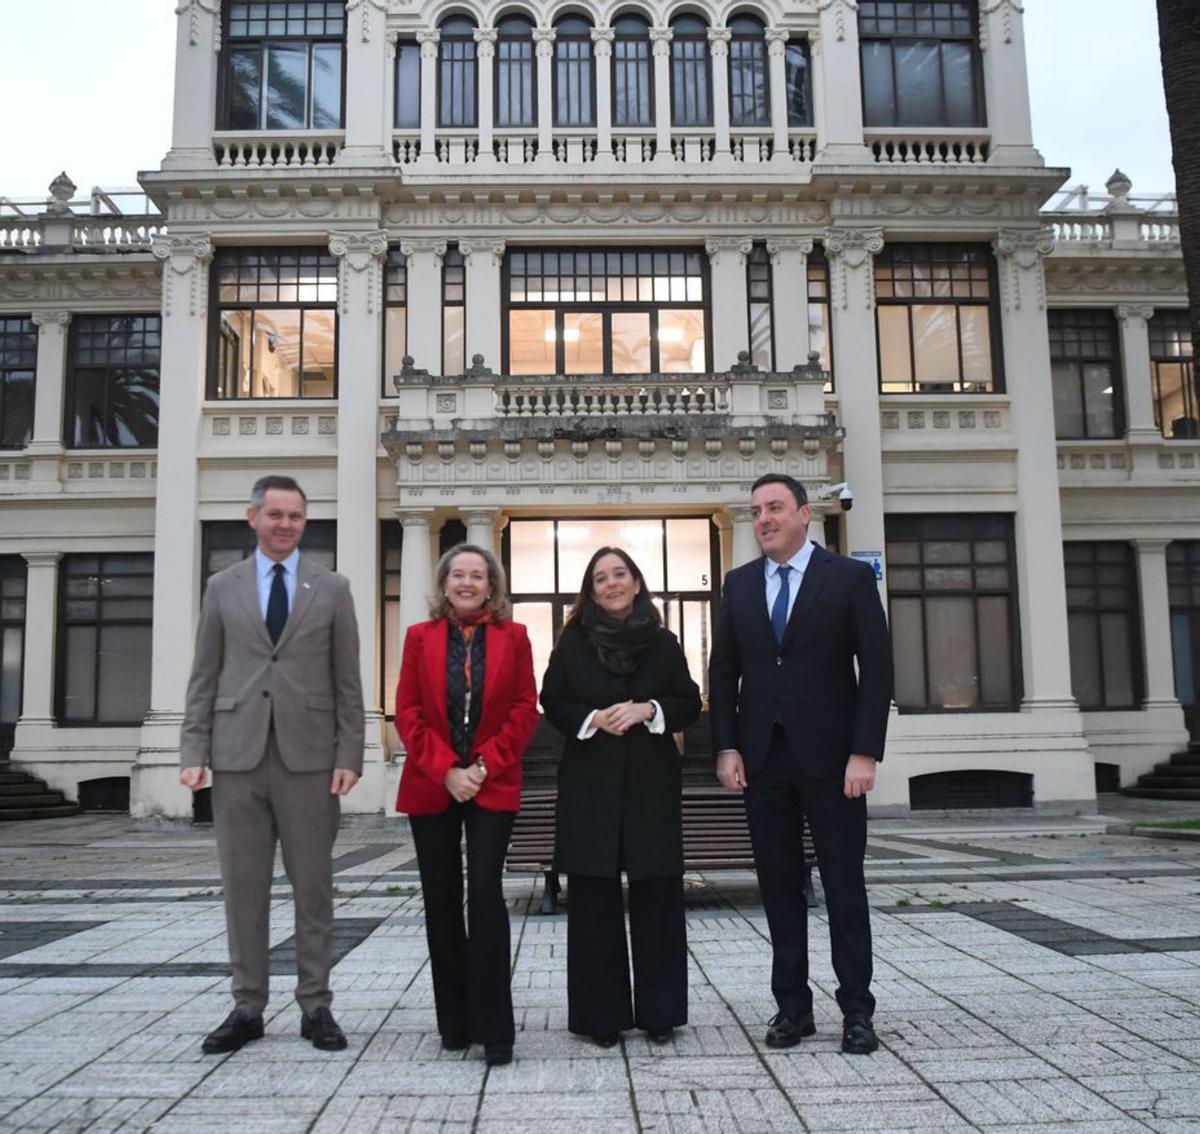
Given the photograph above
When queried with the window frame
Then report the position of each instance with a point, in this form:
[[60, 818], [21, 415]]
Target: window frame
[[71, 390], [455, 261], [573, 37], [392, 265], [818, 263], [606, 308], [26, 363], [216, 340], [13, 596], [97, 621], [525, 67], [405, 46], [1093, 320], [641, 66], [994, 321], [1160, 330], [230, 42], [970, 37], [739, 41], [760, 260], [802, 45], [445, 80], [683, 75]]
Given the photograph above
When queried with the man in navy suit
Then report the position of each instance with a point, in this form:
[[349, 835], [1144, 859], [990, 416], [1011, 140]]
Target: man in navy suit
[[800, 733]]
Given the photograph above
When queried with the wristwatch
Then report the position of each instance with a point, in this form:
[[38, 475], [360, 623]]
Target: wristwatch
[[653, 712]]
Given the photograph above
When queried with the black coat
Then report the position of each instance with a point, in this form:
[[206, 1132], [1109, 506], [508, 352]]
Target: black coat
[[808, 683], [619, 798]]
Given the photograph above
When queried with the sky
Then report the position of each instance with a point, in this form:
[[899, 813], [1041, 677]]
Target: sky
[[89, 91]]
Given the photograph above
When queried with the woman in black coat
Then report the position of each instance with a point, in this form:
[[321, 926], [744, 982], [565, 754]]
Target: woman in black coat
[[617, 687]]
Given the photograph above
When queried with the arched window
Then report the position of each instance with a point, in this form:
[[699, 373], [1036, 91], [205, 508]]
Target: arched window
[[691, 87], [516, 86], [457, 99], [633, 85], [574, 104], [799, 83], [749, 98]]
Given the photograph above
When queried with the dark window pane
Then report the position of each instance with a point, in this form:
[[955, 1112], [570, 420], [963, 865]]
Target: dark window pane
[[1084, 637], [798, 85], [124, 672], [959, 79], [327, 86], [908, 652], [919, 84], [245, 87], [287, 87], [16, 408], [408, 85], [879, 97], [995, 659], [951, 653]]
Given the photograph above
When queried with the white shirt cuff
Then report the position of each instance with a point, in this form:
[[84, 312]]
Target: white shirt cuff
[[659, 724], [587, 730]]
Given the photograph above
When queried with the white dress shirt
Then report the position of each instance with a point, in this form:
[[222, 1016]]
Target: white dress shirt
[[266, 576], [799, 564]]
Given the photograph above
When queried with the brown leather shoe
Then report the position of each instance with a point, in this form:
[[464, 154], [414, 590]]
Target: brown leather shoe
[[238, 1030], [320, 1027]]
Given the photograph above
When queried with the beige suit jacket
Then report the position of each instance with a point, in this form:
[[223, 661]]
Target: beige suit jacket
[[308, 681]]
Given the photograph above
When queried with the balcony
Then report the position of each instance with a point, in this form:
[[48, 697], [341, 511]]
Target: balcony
[[1119, 221], [107, 220]]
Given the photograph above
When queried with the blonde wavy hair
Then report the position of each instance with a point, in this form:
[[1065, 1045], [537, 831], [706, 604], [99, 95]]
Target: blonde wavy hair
[[497, 602]]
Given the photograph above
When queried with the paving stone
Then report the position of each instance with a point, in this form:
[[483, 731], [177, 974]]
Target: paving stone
[[48, 1115]]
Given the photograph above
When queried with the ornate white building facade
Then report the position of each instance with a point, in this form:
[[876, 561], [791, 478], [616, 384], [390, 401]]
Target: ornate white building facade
[[636, 255]]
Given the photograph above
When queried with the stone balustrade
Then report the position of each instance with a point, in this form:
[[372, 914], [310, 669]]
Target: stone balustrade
[[81, 233], [660, 394], [254, 149], [928, 147]]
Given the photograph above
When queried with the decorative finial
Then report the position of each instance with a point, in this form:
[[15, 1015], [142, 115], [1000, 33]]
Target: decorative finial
[[1118, 185], [62, 189]]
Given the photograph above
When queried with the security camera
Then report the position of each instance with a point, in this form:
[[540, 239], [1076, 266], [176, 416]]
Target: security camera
[[846, 497], [841, 491]]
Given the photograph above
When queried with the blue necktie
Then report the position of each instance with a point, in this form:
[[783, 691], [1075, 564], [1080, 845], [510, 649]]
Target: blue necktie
[[277, 604], [779, 612]]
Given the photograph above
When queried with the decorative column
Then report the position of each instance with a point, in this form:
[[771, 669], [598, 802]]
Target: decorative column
[[197, 48], [724, 525], [851, 253], [1141, 432], [154, 786], [718, 52], [816, 528], [485, 53], [483, 259], [1156, 623], [481, 527], [837, 83], [789, 288], [37, 691], [367, 111], [660, 44], [543, 41], [360, 301], [425, 301], [745, 546], [45, 449], [777, 84], [1041, 580], [416, 566], [429, 53], [1006, 84], [602, 41], [727, 257]]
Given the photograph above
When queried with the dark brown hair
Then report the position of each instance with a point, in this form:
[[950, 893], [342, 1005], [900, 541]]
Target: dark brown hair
[[587, 593]]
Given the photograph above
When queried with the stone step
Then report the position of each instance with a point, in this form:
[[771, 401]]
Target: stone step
[[1162, 793], [28, 787], [1175, 781], [42, 798], [58, 811], [1186, 759], [11, 777]]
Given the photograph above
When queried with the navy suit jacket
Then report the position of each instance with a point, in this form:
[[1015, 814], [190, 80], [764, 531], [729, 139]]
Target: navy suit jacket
[[807, 684]]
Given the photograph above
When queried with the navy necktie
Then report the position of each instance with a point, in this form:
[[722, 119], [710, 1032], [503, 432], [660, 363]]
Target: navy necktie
[[277, 604], [779, 612]]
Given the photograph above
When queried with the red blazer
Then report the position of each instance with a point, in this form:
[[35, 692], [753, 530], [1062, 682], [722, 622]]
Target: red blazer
[[507, 719]]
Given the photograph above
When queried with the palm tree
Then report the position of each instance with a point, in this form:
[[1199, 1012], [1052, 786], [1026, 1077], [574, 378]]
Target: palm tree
[[1179, 43]]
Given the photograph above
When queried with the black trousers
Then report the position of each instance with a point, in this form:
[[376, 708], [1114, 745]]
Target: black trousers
[[471, 963], [599, 1000], [777, 799]]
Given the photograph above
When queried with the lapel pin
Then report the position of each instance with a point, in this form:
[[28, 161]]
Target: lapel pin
[[307, 586]]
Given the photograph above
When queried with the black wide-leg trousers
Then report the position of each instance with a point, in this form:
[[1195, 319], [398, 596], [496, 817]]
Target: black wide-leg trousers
[[599, 998], [778, 797], [471, 962]]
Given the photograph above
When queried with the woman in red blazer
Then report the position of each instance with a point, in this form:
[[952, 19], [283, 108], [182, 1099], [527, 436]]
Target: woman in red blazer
[[466, 708]]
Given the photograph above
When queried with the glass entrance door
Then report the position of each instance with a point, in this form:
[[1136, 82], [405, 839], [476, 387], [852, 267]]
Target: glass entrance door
[[1183, 581], [12, 646]]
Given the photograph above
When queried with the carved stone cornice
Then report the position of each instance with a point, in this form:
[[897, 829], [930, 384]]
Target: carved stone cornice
[[116, 284], [365, 7], [1008, 10], [1020, 251], [839, 15], [718, 246], [50, 319], [852, 249], [359, 252], [490, 252], [196, 10], [185, 262]]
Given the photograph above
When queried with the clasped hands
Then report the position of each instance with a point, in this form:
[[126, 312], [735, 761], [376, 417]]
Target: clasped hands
[[618, 719], [464, 783]]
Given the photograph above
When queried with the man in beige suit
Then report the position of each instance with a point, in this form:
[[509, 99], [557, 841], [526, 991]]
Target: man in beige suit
[[275, 707]]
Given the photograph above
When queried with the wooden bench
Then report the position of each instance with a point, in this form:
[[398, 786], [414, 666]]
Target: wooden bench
[[715, 835]]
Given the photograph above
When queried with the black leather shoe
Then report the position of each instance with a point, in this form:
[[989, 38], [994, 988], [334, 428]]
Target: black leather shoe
[[237, 1031], [320, 1027], [497, 1054], [660, 1035], [858, 1036], [455, 1043], [786, 1032], [608, 1039]]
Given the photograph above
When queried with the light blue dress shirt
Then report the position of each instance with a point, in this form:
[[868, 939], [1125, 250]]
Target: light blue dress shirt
[[798, 564], [266, 576]]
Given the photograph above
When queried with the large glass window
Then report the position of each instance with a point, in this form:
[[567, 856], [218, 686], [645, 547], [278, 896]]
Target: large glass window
[[798, 70], [12, 645], [820, 331], [632, 81], [758, 294], [408, 84], [1086, 374], [395, 317], [283, 64], [1183, 590], [679, 557], [691, 84], [112, 387], [574, 78], [516, 84], [105, 607], [457, 101], [937, 320], [920, 63], [1176, 389], [749, 96], [273, 332], [18, 367], [454, 312], [1104, 625], [953, 612], [612, 311]]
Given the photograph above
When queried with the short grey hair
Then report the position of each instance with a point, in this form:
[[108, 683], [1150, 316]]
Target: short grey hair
[[497, 602], [265, 483]]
